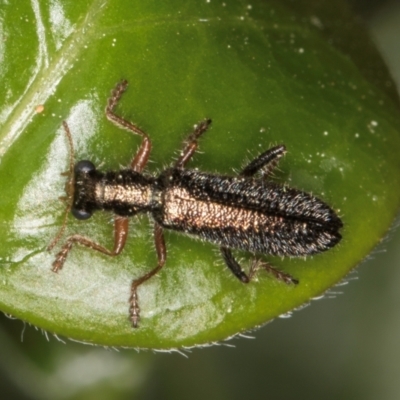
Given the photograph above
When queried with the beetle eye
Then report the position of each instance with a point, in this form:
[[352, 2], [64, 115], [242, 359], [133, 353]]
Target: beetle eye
[[84, 166], [81, 214]]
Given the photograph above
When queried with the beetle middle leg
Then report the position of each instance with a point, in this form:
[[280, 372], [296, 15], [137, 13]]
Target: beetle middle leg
[[191, 143], [142, 156], [134, 309]]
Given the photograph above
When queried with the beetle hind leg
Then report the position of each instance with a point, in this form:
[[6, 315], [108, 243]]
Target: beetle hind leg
[[256, 265], [266, 161], [233, 265]]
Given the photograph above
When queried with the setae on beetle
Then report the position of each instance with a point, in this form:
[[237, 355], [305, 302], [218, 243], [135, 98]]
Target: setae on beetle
[[234, 212]]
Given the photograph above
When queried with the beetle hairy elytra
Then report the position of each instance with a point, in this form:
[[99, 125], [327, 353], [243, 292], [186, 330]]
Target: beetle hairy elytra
[[235, 212]]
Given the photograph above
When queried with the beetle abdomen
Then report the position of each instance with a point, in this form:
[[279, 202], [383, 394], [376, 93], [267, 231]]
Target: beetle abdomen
[[248, 214]]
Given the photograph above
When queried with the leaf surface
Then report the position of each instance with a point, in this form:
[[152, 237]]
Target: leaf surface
[[266, 73]]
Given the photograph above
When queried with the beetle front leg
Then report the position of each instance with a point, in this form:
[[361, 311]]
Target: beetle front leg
[[142, 156], [134, 309], [120, 235]]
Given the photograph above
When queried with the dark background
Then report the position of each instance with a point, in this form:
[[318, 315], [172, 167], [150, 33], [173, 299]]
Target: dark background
[[344, 346]]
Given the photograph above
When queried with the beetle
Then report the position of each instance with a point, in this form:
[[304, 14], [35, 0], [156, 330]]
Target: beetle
[[241, 212]]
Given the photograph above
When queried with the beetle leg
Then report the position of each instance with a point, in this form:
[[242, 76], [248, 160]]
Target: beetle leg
[[237, 270], [134, 309], [233, 265], [280, 275], [142, 156], [191, 143], [266, 161], [120, 235]]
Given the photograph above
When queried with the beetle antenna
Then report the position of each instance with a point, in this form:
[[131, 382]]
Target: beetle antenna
[[69, 187]]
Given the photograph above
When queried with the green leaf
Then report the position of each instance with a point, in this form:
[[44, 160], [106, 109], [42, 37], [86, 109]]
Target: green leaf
[[299, 73]]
